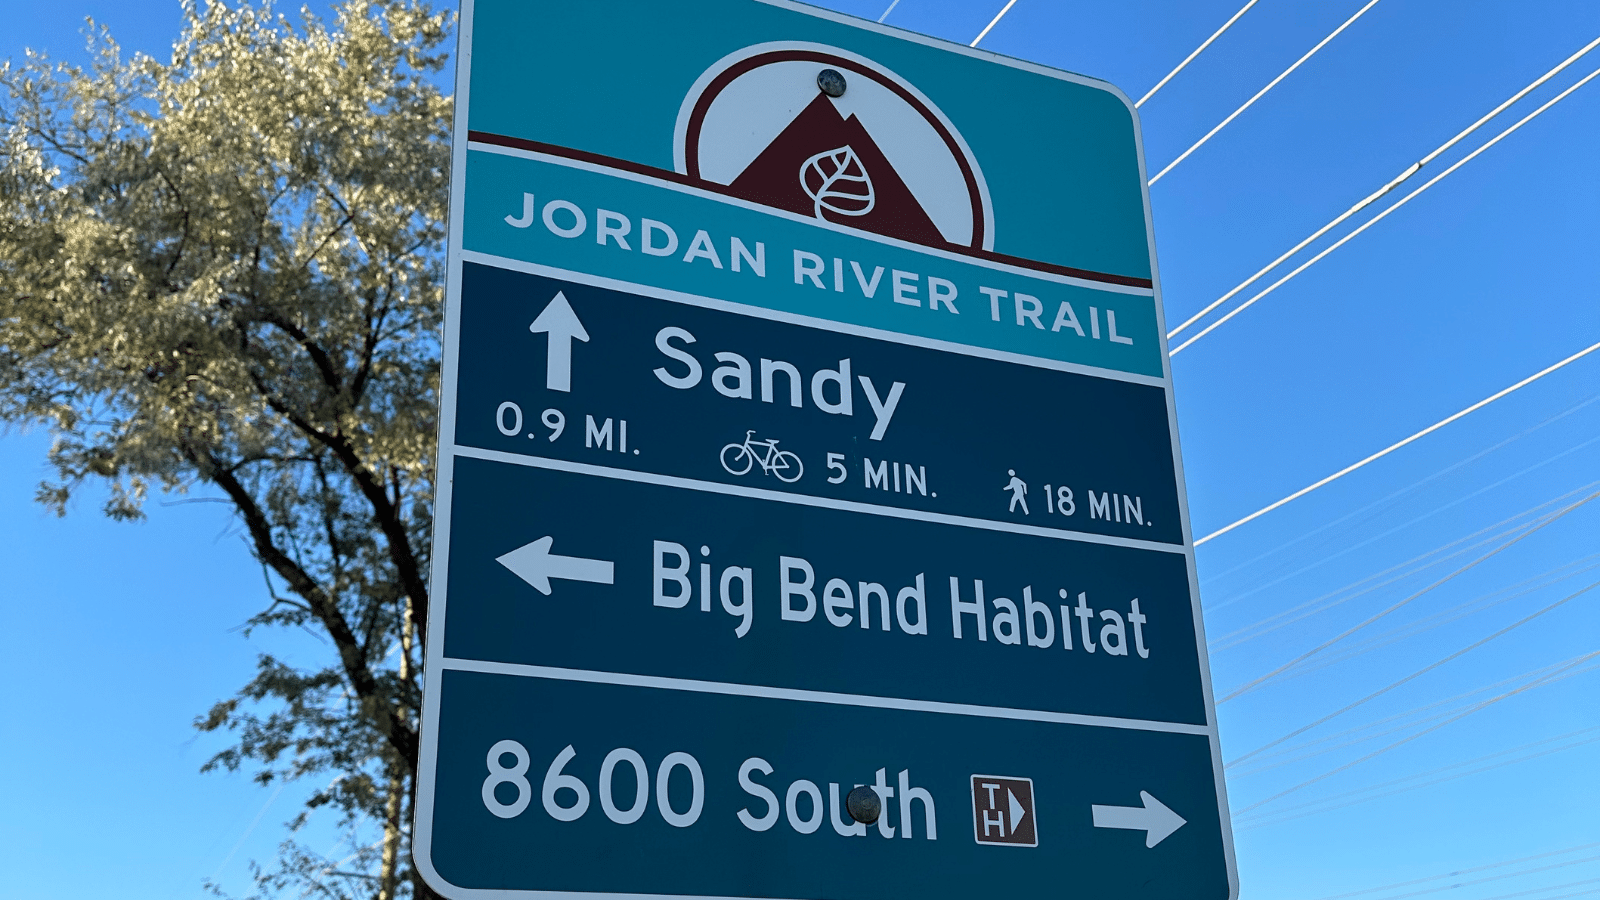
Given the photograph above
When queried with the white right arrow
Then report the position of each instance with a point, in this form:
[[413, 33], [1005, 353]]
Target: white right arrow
[[535, 564], [1153, 818], [1017, 812], [561, 323]]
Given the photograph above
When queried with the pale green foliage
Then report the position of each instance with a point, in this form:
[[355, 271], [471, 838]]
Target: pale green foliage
[[224, 274]]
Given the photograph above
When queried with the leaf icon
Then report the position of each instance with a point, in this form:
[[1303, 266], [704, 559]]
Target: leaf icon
[[836, 182]]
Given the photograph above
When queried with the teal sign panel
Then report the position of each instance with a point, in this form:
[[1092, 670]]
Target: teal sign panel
[[807, 426]]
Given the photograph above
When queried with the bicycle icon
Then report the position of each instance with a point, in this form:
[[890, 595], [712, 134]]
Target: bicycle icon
[[743, 457]]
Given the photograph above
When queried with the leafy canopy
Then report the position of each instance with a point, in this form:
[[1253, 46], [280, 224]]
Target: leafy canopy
[[223, 274]]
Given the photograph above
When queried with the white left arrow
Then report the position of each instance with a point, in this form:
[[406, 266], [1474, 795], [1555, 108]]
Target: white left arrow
[[561, 323], [535, 564], [1153, 818]]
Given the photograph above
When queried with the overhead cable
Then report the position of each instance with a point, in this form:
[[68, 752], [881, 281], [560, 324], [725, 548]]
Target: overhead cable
[[887, 11], [1391, 185], [1559, 865], [992, 22], [1401, 491], [1300, 811], [1460, 611], [1554, 887], [1323, 560], [1261, 93], [1407, 568], [1484, 868], [1382, 215], [1415, 714], [1418, 673], [1398, 444], [1190, 58], [1250, 685], [1408, 739]]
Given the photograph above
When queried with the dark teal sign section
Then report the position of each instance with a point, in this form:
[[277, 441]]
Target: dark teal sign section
[[645, 623], [1072, 769], [1060, 157], [958, 426]]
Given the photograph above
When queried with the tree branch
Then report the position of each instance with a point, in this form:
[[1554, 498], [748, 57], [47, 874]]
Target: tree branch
[[353, 660]]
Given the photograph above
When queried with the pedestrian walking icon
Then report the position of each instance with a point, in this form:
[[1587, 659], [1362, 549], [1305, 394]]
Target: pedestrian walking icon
[[1019, 490]]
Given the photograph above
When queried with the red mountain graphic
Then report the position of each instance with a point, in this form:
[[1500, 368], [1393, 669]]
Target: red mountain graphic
[[808, 158]]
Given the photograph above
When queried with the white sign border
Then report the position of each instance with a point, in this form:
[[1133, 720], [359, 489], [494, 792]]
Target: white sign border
[[435, 664]]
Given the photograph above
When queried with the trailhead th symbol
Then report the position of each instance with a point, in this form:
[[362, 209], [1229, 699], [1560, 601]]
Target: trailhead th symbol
[[739, 459], [1019, 491]]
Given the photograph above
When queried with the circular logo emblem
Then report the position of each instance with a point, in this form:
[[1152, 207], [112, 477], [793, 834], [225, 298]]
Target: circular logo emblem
[[825, 133]]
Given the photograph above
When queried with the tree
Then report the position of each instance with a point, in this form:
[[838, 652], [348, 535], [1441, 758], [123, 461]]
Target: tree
[[224, 274]]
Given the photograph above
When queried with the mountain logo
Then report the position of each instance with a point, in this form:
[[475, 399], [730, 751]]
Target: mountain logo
[[869, 152]]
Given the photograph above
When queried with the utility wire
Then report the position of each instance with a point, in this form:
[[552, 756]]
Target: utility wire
[[1261, 93], [887, 11], [1324, 560], [1398, 444], [1302, 810], [1531, 674], [1553, 887], [1534, 871], [1370, 583], [1406, 740], [1418, 673], [1267, 767], [1378, 615], [1460, 611], [1382, 215], [992, 22], [1190, 58], [1483, 868], [1393, 183], [1405, 490]]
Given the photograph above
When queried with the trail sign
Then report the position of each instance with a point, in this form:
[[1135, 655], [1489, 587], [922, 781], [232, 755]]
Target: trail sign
[[807, 425]]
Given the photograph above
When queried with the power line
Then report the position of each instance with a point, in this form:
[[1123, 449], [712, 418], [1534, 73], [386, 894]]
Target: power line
[[1405, 490], [1406, 740], [992, 22], [1233, 638], [1302, 810], [1419, 673], [1398, 444], [1261, 93], [1250, 685], [1412, 714], [1267, 585], [1190, 58], [1559, 865], [1391, 185], [1382, 215], [1483, 868], [1460, 611], [1553, 887], [887, 11]]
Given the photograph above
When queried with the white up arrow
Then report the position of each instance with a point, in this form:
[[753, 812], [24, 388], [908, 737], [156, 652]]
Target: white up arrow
[[535, 564], [1153, 818], [561, 323]]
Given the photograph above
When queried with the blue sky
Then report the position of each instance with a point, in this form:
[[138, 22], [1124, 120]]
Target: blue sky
[[120, 634]]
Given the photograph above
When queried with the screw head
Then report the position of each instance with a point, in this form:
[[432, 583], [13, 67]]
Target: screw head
[[863, 805], [831, 81]]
